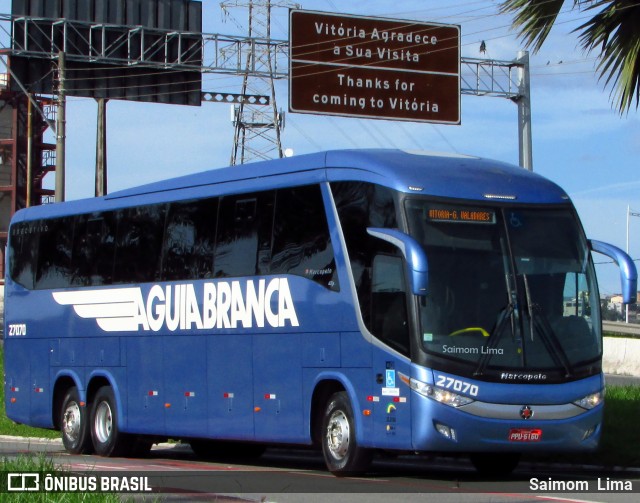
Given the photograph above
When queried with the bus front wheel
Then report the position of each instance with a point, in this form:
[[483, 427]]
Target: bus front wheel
[[341, 452], [73, 424], [105, 435]]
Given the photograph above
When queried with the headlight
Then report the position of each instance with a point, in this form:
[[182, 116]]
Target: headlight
[[439, 394], [590, 401]]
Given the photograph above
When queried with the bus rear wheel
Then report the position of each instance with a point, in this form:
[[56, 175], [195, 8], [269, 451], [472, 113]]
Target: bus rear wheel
[[106, 437], [342, 455], [73, 424]]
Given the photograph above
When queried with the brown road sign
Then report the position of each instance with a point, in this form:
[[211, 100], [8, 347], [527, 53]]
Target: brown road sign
[[374, 67]]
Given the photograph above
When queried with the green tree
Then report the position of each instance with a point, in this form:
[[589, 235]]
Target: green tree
[[613, 30]]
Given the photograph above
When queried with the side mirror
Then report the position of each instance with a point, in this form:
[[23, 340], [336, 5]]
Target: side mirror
[[628, 272], [413, 253]]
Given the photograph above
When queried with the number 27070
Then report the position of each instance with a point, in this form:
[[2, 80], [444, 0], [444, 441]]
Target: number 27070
[[457, 385], [17, 329]]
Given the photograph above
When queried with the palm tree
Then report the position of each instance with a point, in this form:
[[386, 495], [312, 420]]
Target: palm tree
[[613, 30]]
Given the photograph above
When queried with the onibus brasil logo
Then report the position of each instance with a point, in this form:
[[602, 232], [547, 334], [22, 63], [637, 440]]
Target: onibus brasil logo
[[222, 304]]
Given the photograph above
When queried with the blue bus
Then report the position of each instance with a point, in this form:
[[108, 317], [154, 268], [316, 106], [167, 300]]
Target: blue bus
[[356, 301]]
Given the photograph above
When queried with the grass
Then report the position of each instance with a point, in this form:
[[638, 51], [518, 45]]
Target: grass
[[42, 465], [620, 434]]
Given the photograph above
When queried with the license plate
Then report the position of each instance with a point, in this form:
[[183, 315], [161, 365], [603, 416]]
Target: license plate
[[525, 435]]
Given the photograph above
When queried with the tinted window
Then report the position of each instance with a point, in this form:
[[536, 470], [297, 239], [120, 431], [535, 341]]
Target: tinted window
[[54, 254], [389, 320], [180, 241], [301, 242], [139, 244], [94, 248], [241, 221], [361, 205], [189, 240], [23, 252]]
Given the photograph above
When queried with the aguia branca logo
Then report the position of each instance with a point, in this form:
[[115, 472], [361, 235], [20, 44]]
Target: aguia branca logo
[[209, 305]]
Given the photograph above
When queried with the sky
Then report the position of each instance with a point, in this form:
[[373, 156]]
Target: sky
[[579, 140]]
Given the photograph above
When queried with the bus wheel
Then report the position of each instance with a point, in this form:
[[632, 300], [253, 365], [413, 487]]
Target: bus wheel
[[107, 440], [342, 455], [73, 424], [494, 464]]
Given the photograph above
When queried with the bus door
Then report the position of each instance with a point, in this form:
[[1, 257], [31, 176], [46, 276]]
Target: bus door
[[390, 324]]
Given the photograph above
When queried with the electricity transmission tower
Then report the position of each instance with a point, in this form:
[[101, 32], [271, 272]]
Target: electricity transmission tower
[[257, 127]]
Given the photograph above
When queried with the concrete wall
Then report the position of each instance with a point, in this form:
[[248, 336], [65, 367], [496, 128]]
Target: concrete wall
[[621, 356]]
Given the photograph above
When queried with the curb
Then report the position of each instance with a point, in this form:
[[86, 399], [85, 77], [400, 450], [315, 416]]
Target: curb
[[530, 465], [58, 442]]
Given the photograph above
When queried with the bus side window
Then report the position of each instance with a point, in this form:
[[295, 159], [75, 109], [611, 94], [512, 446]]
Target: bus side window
[[23, 252], [389, 303], [54, 268], [237, 237], [361, 205], [266, 206], [93, 249], [189, 240], [301, 241], [139, 244]]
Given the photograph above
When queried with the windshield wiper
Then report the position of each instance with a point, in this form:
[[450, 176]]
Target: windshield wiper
[[550, 339], [506, 315], [539, 323]]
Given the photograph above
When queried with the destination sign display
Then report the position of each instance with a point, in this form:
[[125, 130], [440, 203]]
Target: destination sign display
[[374, 67], [461, 214]]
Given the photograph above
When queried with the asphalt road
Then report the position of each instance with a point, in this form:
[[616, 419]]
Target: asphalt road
[[175, 474], [297, 475]]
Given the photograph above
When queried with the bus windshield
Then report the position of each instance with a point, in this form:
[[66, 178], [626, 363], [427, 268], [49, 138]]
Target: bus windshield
[[511, 291]]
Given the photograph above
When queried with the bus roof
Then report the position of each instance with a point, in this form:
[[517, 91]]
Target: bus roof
[[442, 175]]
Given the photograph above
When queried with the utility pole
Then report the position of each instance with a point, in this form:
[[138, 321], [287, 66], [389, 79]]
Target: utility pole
[[101, 149], [629, 215], [60, 130], [524, 112]]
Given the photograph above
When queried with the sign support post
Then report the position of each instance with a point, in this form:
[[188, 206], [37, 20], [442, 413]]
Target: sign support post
[[60, 130], [524, 112]]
